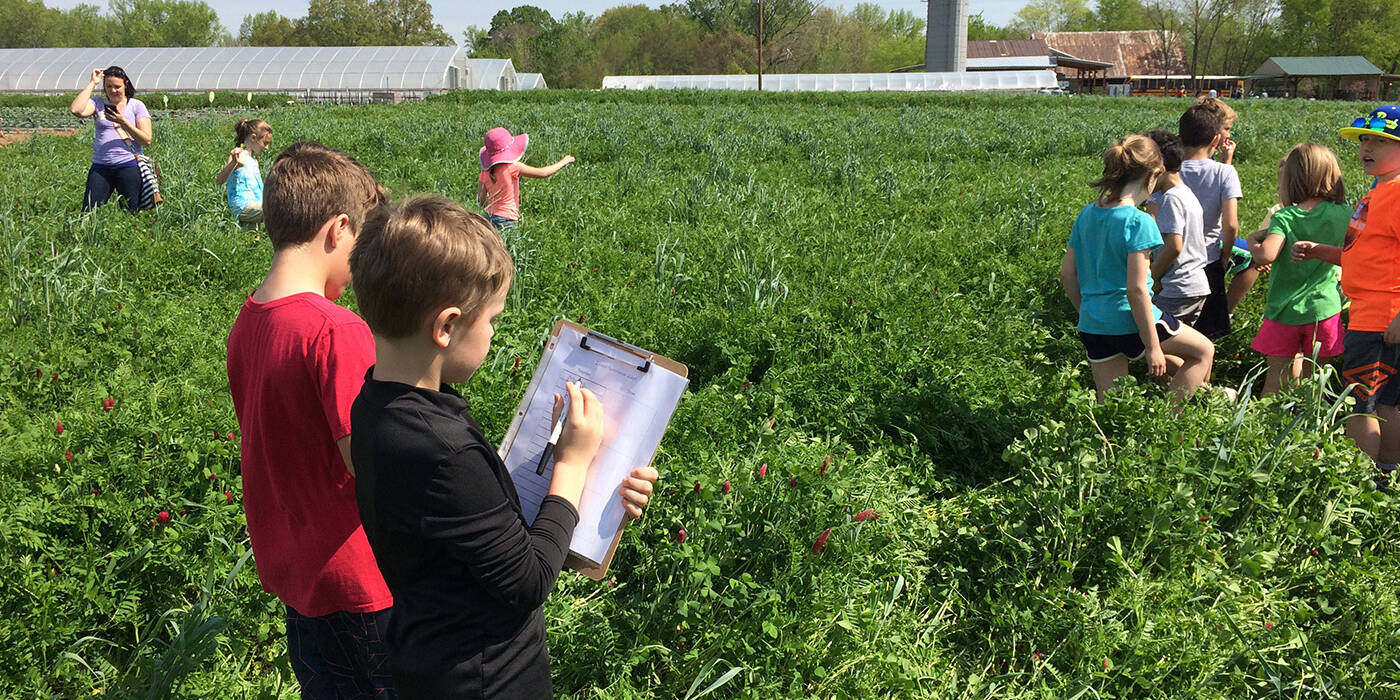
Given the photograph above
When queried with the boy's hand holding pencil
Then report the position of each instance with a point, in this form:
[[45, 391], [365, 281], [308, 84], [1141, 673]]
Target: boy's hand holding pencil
[[578, 441]]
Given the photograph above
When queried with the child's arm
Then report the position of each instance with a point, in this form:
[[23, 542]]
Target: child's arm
[[1069, 278], [229, 166], [546, 171], [1229, 228], [1264, 249], [1140, 300], [1307, 250], [1166, 256]]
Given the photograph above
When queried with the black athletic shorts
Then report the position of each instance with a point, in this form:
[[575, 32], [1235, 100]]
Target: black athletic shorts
[[1371, 364], [1102, 348]]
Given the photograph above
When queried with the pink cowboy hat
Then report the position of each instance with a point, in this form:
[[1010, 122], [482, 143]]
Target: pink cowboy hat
[[501, 147]]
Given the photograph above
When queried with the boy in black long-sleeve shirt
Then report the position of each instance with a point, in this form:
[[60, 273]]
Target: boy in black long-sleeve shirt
[[468, 574]]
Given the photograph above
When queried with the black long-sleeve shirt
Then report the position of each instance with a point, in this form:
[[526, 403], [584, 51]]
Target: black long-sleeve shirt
[[467, 573]]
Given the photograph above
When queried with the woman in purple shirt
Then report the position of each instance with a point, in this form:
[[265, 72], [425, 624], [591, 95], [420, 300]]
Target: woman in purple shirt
[[123, 127]]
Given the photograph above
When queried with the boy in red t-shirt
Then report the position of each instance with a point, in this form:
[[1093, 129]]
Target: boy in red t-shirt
[[1370, 260], [296, 361]]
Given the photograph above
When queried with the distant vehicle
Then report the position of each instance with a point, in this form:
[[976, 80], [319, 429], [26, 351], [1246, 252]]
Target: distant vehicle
[[1052, 91]]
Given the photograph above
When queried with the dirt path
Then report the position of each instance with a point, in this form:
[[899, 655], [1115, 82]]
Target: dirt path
[[9, 137]]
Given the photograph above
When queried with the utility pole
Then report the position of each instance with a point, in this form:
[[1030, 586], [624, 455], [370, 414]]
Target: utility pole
[[760, 45]]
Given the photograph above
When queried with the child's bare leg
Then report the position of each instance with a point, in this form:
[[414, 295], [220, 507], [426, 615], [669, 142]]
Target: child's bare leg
[[1389, 452], [1107, 371], [1240, 285], [1365, 431], [1281, 371], [1197, 355]]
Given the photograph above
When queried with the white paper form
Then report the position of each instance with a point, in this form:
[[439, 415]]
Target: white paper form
[[637, 406]]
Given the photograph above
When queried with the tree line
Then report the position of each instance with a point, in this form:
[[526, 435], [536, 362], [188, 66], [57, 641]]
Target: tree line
[[31, 24], [1226, 37], [1230, 37]]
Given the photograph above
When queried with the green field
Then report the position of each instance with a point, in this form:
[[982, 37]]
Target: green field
[[869, 278]]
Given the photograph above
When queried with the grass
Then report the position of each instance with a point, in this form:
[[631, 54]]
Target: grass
[[869, 278]]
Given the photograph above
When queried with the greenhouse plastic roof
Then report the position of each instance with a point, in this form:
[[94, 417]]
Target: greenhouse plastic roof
[[530, 81], [236, 68], [492, 73], [844, 82]]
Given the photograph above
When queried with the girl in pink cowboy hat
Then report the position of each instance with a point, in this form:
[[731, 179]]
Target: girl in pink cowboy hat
[[498, 186]]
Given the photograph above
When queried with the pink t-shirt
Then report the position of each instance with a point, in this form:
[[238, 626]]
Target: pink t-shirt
[[295, 366], [502, 193]]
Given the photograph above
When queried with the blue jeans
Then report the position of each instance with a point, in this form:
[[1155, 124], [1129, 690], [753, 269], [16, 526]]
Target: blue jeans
[[102, 180], [501, 222], [341, 655]]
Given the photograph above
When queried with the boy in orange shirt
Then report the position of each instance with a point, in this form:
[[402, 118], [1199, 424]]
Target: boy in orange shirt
[[1370, 261]]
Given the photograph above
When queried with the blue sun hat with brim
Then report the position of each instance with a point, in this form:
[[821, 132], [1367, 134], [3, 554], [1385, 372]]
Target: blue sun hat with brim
[[1383, 122]]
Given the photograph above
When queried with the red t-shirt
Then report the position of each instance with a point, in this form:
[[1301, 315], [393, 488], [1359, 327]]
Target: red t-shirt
[[295, 366], [1371, 259]]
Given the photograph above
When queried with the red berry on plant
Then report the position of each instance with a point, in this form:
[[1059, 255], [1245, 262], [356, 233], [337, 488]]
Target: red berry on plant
[[1317, 453], [59, 427], [228, 496], [793, 483], [163, 517], [867, 514], [726, 487], [230, 437], [39, 372], [680, 535], [698, 487], [820, 544], [1268, 625], [67, 455], [763, 471], [1037, 656], [1312, 553]]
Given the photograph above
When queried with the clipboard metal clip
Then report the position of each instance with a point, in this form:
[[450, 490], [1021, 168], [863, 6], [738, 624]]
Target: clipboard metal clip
[[625, 347]]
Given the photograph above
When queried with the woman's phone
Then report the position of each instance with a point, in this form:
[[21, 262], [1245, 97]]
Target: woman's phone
[[109, 111]]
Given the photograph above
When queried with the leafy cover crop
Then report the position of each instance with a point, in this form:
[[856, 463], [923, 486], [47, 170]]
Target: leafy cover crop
[[889, 478]]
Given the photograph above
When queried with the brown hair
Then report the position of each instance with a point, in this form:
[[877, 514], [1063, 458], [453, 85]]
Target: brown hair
[[309, 184], [1310, 170], [1131, 159], [1169, 145], [1222, 106], [249, 128], [117, 72], [421, 255], [1200, 124]]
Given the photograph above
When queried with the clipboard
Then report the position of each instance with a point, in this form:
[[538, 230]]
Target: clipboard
[[617, 369]]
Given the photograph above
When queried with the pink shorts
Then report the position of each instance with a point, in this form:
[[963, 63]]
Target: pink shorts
[[1283, 340]]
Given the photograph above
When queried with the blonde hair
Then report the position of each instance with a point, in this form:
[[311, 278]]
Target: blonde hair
[[1131, 159], [1310, 170], [421, 255], [249, 128], [308, 185]]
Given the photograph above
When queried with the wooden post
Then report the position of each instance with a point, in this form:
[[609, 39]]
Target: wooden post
[[760, 45]]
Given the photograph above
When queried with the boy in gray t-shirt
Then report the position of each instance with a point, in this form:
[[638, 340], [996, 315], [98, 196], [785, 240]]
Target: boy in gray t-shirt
[[1178, 267]]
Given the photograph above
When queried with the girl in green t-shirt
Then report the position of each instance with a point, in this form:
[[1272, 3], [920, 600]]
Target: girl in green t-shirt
[[1303, 312]]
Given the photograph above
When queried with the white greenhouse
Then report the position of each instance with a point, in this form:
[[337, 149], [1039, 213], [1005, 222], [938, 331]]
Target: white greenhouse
[[530, 81], [309, 71], [1013, 80], [492, 74]]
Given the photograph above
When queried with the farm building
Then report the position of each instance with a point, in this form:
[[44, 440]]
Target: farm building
[[1326, 77], [530, 81], [351, 73], [493, 74], [1080, 74], [1141, 62], [1019, 80]]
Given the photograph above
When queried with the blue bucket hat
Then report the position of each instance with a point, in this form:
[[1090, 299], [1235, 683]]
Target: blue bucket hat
[[1384, 121]]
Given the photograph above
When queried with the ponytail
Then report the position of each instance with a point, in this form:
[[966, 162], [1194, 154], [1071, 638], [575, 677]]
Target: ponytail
[[248, 128], [1133, 158]]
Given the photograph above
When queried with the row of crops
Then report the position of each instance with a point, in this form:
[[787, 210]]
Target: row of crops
[[864, 289]]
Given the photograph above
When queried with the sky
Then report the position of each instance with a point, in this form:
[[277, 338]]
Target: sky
[[455, 17]]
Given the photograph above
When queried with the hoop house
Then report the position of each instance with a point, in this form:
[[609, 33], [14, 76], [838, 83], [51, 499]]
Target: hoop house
[[1023, 80], [287, 69]]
